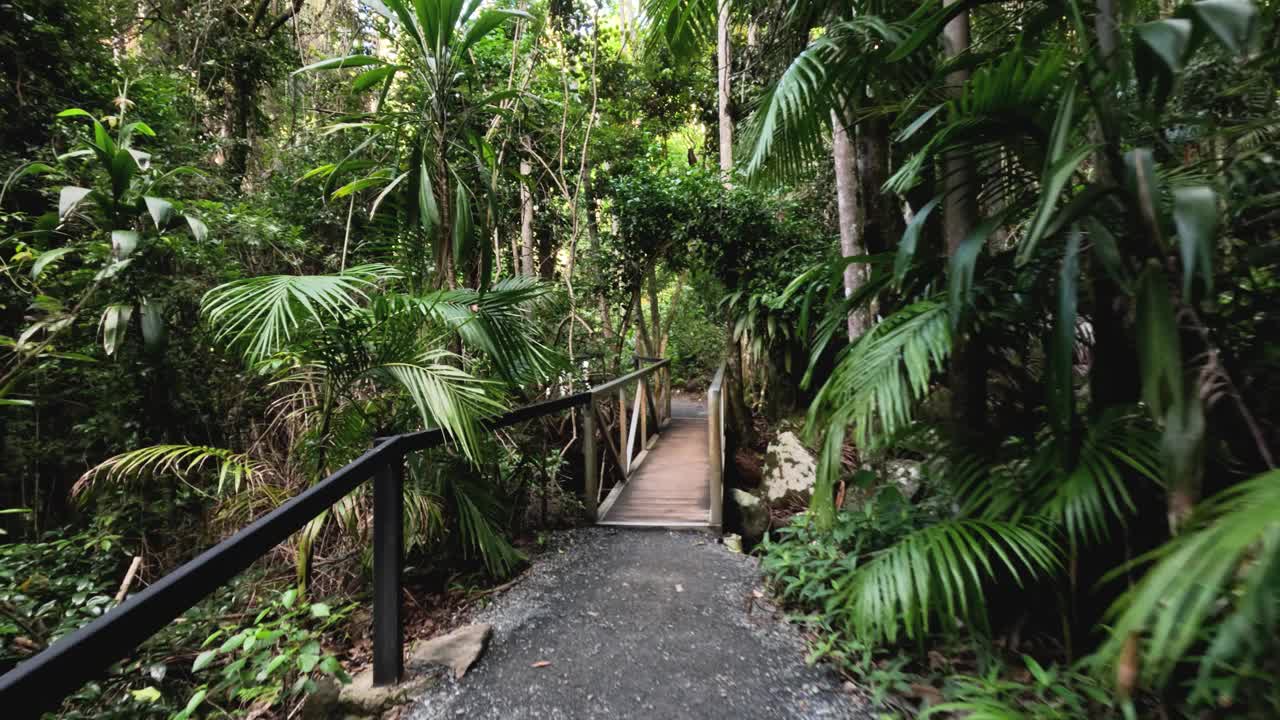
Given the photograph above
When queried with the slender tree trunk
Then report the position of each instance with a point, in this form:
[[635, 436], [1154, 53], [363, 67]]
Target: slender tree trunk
[[851, 219], [526, 221], [724, 67], [882, 211], [242, 112], [446, 277], [960, 211]]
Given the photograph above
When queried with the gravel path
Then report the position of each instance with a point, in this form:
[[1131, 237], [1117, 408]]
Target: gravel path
[[639, 624]]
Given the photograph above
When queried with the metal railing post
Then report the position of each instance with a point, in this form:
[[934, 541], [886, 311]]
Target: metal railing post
[[591, 482], [388, 563]]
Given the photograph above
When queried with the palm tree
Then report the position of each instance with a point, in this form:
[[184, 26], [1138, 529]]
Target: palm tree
[[417, 142]]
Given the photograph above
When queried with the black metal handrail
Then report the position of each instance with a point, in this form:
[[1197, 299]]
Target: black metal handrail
[[39, 683]]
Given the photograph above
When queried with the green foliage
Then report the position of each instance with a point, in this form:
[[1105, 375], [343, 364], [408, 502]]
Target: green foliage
[[266, 663], [1215, 583]]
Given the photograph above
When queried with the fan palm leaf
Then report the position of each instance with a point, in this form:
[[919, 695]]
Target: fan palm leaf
[[262, 314]]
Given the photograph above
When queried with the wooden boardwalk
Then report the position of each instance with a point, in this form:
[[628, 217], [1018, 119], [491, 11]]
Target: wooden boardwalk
[[670, 488]]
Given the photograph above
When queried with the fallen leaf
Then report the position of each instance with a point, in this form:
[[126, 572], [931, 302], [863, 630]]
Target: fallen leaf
[[541, 664]]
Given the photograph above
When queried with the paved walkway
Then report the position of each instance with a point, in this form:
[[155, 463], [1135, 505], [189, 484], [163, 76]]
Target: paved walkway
[[654, 624]]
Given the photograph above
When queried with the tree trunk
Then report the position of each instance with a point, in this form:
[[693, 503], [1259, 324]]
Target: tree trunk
[[960, 211], [851, 218], [724, 67], [526, 221], [445, 276], [241, 114]]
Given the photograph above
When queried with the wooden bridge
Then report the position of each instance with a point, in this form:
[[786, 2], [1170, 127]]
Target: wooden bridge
[[668, 460], [660, 469]]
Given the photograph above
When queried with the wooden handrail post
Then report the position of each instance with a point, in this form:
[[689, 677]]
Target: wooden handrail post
[[591, 482], [715, 453], [388, 563], [622, 431]]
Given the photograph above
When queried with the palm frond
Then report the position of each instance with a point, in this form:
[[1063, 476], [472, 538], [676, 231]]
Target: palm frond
[[1219, 580], [1086, 498], [181, 461], [682, 26], [936, 575], [877, 382], [261, 314], [445, 396]]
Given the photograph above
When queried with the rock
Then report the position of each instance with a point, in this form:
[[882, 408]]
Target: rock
[[361, 698], [789, 467], [457, 651], [753, 514], [905, 475], [321, 703]]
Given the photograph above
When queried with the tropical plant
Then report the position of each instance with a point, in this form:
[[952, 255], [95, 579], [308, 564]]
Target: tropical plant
[[424, 140], [117, 222]]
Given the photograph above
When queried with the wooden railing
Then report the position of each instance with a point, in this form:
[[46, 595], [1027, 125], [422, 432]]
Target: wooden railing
[[635, 422], [39, 683], [715, 446]]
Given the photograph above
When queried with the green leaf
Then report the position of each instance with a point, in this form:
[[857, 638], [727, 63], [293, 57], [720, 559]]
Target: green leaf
[[203, 660], [69, 197], [369, 78], [356, 186], [462, 222], [346, 61], [161, 211], [146, 695], [1195, 215], [199, 230], [428, 211], [962, 266], [123, 243], [1231, 21], [289, 597], [1159, 49], [487, 23], [1159, 347], [1108, 252], [47, 257], [232, 642], [154, 330], [1144, 187], [115, 324], [910, 239], [74, 112], [377, 202], [319, 610], [1052, 184]]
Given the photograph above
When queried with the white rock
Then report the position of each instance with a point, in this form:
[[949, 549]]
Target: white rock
[[788, 467]]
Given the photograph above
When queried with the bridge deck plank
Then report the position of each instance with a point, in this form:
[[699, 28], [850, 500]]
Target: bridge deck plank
[[670, 487]]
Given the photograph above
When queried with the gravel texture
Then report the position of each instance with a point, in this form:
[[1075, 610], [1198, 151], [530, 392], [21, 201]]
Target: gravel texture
[[639, 624]]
